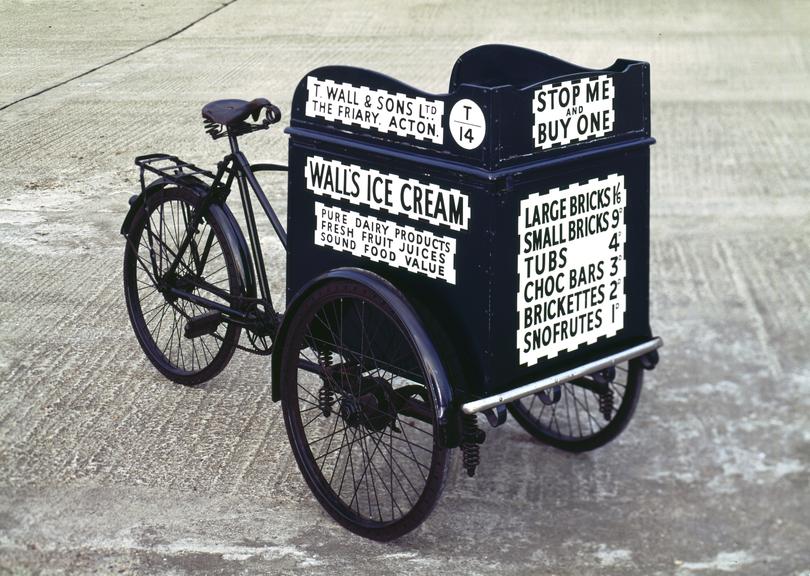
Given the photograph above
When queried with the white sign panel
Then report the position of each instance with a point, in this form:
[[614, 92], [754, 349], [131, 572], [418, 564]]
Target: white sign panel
[[418, 251], [377, 109], [573, 111], [389, 192], [571, 267]]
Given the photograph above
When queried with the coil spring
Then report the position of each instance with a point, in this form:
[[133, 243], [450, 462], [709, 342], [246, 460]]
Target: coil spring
[[471, 438], [606, 404], [325, 395]]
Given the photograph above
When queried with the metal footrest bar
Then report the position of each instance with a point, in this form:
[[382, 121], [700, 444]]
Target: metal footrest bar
[[476, 406]]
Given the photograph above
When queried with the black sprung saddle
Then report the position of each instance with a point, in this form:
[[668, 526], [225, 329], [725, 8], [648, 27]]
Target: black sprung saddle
[[223, 116]]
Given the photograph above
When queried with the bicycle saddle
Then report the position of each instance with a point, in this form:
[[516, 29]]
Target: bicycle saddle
[[230, 112]]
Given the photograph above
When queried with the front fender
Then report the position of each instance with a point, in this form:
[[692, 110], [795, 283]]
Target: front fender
[[436, 374]]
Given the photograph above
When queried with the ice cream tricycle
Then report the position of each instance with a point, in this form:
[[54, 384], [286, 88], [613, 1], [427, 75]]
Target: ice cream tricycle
[[482, 251]]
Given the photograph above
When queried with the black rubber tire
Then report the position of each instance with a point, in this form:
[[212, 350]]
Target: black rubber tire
[[426, 494], [528, 413], [138, 284]]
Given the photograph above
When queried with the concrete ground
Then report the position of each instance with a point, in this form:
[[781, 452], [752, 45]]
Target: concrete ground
[[107, 468]]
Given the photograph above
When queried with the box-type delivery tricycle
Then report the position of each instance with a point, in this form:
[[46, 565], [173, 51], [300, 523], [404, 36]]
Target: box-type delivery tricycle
[[450, 254]]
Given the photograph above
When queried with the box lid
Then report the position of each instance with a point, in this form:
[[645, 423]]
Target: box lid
[[506, 106]]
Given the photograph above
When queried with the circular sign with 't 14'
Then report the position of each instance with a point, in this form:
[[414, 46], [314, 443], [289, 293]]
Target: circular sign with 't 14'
[[467, 124]]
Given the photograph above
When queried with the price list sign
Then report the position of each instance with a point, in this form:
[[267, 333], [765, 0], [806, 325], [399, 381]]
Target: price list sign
[[571, 267]]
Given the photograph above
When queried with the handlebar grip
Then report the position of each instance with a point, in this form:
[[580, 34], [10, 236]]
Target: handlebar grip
[[272, 112]]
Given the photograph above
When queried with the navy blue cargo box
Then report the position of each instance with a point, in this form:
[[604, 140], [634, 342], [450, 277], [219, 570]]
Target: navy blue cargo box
[[513, 210]]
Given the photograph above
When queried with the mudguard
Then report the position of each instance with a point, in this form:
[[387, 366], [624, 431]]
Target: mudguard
[[436, 373], [220, 212]]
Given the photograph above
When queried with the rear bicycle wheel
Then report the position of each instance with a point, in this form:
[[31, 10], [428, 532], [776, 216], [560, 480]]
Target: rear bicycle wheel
[[360, 418], [207, 269], [585, 414]]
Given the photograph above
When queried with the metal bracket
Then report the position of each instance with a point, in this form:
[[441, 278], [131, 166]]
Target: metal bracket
[[495, 416], [649, 360]]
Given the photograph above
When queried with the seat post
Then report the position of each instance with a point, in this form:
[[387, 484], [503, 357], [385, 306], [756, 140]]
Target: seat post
[[234, 144]]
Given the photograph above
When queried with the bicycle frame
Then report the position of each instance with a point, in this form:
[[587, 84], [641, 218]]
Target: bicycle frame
[[246, 180], [234, 166]]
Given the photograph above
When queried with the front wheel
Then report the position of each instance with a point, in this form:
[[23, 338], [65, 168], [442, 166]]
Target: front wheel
[[208, 269], [359, 413], [584, 414]]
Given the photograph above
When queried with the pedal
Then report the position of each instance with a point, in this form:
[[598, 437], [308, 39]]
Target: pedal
[[203, 324]]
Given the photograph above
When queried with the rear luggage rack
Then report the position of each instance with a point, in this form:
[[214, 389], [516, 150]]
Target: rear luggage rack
[[170, 167]]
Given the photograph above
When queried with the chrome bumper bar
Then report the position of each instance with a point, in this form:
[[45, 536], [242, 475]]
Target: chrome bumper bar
[[561, 378]]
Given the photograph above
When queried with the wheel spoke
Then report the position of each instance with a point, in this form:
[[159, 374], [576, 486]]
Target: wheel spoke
[[576, 419]]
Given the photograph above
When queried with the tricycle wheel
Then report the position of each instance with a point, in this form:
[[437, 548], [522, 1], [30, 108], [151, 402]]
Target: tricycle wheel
[[359, 414], [208, 269], [584, 414]]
